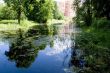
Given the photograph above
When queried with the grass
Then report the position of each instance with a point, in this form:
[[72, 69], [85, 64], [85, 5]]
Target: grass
[[25, 24], [11, 26], [8, 22], [96, 46], [54, 21], [8, 26], [14, 23]]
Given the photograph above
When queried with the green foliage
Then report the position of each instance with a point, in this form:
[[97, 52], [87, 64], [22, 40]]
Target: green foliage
[[38, 10], [17, 5], [59, 16], [9, 27], [7, 13], [8, 22], [56, 13], [88, 10], [101, 8], [94, 41], [96, 47], [83, 12], [101, 23]]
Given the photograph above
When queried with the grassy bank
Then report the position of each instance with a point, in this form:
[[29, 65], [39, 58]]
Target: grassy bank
[[13, 24], [9, 27], [96, 46]]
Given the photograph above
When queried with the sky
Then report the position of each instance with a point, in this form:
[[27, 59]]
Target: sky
[[1, 1]]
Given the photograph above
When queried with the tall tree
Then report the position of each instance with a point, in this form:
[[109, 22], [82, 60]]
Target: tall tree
[[87, 9], [102, 8], [57, 14], [39, 10], [17, 6]]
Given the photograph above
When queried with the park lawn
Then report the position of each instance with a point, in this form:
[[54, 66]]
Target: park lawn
[[10, 27], [55, 21], [25, 24]]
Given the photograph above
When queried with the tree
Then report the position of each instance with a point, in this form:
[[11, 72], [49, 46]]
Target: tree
[[17, 6], [83, 11], [102, 8], [39, 10], [86, 10], [57, 14], [7, 13]]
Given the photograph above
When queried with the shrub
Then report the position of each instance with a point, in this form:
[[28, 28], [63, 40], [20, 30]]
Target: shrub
[[101, 23], [38, 10], [96, 53], [7, 13], [56, 13]]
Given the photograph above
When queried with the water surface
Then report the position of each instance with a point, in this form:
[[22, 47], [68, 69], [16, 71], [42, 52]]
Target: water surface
[[45, 54]]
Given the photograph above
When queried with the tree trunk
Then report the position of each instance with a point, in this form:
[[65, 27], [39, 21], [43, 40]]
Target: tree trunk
[[89, 17], [19, 15]]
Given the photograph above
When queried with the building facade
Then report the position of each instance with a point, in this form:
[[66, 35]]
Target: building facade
[[65, 6]]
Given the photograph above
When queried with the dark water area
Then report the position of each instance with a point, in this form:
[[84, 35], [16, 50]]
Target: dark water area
[[43, 54]]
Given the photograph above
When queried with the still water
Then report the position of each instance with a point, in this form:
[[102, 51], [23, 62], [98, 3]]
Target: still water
[[44, 54]]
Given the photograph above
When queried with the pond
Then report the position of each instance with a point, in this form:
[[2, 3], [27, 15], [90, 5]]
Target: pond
[[39, 54]]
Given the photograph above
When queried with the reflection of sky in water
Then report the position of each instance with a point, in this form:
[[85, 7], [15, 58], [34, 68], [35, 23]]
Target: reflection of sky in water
[[61, 44], [58, 56], [4, 46]]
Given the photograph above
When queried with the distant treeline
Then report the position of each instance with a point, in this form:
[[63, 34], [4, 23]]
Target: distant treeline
[[92, 13], [35, 10]]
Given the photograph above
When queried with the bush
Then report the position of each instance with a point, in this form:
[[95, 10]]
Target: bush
[[60, 16], [38, 10], [96, 52], [7, 13], [101, 23], [56, 13]]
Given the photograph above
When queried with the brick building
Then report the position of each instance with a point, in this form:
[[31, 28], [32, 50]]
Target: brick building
[[65, 6]]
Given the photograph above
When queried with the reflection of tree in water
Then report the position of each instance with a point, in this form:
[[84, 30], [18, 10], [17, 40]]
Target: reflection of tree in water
[[22, 51], [38, 30], [77, 61]]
